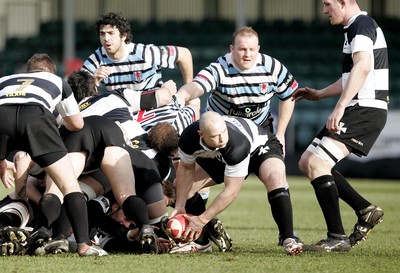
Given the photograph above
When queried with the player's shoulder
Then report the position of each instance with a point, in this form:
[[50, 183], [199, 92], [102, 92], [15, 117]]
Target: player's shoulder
[[191, 129]]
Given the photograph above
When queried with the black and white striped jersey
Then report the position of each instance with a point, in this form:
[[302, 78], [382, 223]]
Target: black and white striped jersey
[[139, 70], [362, 33], [179, 118], [43, 88], [245, 93], [114, 106]]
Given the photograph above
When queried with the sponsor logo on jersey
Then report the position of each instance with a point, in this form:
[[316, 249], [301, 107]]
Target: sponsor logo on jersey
[[84, 105], [245, 112], [16, 94]]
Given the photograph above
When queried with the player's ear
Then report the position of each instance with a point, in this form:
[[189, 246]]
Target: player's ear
[[124, 36], [200, 133]]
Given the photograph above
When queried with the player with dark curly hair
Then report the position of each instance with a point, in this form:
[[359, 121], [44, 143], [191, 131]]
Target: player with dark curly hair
[[121, 63]]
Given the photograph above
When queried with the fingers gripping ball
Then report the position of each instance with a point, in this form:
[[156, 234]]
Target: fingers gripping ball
[[176, 227]]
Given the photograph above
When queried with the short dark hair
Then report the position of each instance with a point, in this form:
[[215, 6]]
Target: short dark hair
[[115, 20], [41, 62], [82, 84]]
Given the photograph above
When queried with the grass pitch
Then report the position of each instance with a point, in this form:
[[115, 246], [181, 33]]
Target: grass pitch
[[248, 220]]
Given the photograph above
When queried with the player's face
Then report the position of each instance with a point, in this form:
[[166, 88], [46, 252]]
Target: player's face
[[217, 137], [334, 10], [244, 51], [112, 41], [119, 216]]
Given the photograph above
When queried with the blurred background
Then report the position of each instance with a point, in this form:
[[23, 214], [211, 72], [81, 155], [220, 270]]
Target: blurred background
[[295, 32]]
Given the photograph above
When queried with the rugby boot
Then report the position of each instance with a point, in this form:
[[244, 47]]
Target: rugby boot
[[368, 218]]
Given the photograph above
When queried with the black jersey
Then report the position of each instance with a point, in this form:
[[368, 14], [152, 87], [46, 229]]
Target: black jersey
[[247, 141]]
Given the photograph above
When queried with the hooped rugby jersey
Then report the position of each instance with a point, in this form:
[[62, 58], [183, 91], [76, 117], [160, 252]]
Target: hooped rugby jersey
[[245, 93], [43, 88], [139, 70], [362, 33], [114, 106], [179, 118]]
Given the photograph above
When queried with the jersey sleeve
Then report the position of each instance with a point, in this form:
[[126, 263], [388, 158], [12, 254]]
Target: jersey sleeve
[[148, 100], [163, 56], [91, 63], [68, 105], [133, 98], [286, 83], [189, 143], [186, 158], [362, 35], [207, 78], [239, 170]]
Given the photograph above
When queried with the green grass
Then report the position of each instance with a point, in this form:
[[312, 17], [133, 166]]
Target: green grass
[[248, 220]]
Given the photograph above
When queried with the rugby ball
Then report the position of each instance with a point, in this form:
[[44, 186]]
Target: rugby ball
[[176, 227]]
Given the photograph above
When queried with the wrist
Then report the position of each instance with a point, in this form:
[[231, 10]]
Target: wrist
[[202, 220], [169, 90]]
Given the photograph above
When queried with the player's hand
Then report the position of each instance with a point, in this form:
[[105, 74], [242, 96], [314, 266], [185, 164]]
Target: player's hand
[[164, 245], [194, 229], [133, 234], [101, 73], [306, 93], [333, 122], [6, 176], [282, 141], [171, 86], [177, 211]]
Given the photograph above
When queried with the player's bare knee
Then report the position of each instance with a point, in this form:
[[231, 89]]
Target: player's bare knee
[[21, 155], [274, 180]]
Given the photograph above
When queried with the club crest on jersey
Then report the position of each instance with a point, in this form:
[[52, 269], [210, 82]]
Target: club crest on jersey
[[263, 88], [138, 75]]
